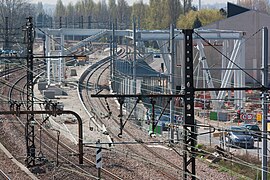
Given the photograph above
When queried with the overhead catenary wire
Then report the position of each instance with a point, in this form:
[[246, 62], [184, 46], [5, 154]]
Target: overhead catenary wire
[[48, 147]]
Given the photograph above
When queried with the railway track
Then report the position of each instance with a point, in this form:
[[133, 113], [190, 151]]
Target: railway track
[[3, 175], [47, 151], [101, 109], [135, 146], [130, 156]]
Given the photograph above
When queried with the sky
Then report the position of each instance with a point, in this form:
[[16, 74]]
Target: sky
[[195, 2]]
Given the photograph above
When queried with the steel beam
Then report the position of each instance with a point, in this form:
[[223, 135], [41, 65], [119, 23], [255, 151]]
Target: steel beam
[[135, 95], [146, 34]]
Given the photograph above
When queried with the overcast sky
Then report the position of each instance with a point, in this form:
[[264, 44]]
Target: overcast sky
[[195, 2]]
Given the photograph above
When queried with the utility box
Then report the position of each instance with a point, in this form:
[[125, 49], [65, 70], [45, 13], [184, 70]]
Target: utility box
[[213, 115], [223, 116], [219, 116], [157, 130]]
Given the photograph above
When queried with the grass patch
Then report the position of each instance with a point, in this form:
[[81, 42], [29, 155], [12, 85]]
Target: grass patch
[[240, 166]]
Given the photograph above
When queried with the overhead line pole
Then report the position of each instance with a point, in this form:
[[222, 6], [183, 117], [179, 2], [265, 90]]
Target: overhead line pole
[[111, 51], [134, 55], [134, 61], [6, 47], [264, 100], [113, 54], [30, 130], [172, 65], [189, 119]]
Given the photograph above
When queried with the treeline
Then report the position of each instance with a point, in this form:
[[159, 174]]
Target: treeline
[[158, 14]]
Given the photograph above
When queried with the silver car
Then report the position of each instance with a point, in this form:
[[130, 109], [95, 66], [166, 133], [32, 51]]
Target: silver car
[[239, 137]]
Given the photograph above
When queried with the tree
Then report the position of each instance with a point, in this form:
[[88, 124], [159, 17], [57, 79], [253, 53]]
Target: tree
[[88, 7], [60, 9], [39, 8], [187, 6], [205, 16], [162, 13], [40, 13], [174, 7], [101, 13], [16, 11], [223, 12], [122, 13], [112, 10], [139, 11], [155, 14], [70, 13], [197, 23]]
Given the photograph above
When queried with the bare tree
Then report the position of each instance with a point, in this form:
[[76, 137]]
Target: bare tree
[[15, 11], [123, 13]]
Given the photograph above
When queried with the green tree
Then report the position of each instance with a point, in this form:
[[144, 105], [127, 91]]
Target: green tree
[[162, 13], [155, 14], [205, 16], [139, 11]]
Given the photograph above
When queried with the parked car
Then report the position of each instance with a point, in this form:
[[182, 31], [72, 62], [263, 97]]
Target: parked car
[[156, 55], [164, 121], [254, 131], [238, 136]]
